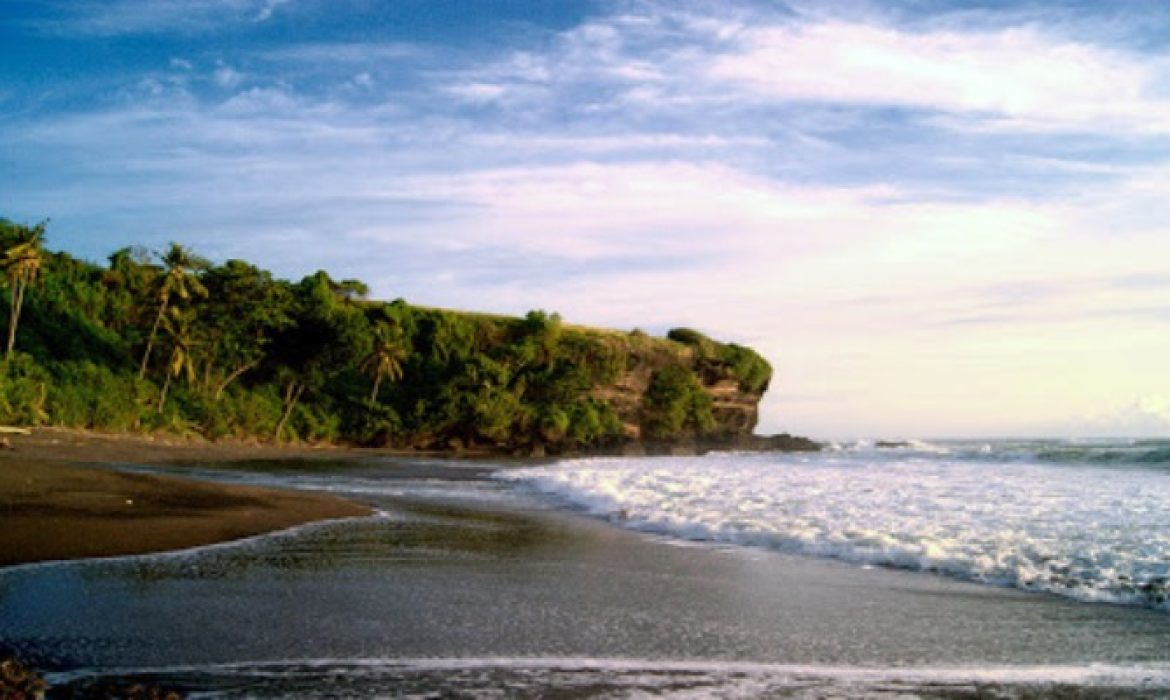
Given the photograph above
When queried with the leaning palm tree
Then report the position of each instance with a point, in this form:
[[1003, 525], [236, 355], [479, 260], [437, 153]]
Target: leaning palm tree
[[386, 358], [178, 280], [177, 327], [21, 263]]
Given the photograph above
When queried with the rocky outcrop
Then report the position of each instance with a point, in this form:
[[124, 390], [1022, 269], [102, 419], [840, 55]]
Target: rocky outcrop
[[732, 379]]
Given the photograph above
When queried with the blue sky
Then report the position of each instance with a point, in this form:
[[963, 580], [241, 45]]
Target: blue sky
[[934, 218]]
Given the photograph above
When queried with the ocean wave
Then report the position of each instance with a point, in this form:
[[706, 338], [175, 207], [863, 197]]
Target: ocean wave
[[1147, 454], [1089, 534], [589, 677]]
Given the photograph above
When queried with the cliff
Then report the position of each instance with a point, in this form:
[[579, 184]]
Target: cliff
[[732, 399]]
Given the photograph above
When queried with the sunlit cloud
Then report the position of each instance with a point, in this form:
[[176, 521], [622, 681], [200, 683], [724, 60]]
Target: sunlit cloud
[[1147, 416], [1014, 77]]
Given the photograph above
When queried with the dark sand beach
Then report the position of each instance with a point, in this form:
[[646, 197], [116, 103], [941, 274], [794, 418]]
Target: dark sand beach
[[462, 585], [53, 507]]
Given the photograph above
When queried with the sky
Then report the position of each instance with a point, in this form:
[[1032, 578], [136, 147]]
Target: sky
[[934, 218]]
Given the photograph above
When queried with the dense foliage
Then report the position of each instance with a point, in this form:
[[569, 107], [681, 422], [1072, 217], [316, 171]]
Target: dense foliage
[[175, 343]]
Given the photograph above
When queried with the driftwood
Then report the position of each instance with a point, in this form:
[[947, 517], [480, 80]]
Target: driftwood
[[13, 430]]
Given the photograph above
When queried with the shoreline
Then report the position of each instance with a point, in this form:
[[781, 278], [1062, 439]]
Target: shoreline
[[62, 498]]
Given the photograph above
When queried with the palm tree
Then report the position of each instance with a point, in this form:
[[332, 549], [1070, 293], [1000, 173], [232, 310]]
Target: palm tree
[[386, 358], [177, 327], [21, 262], [178, 280]]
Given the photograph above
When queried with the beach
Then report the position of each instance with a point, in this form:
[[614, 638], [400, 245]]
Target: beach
[[462, 583], [55, 503]]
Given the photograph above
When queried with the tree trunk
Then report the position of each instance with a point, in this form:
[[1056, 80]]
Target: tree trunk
[[208, 366], [162, 399], [236, 373], [14, 313], [374, 393], [291, 395], [11, 322], [162, 309]]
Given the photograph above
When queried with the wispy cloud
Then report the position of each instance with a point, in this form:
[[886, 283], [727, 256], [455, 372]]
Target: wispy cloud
[[363, 52], [109, 18], [1014, 78]]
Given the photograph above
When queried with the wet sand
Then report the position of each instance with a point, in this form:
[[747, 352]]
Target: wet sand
[[54, 507]]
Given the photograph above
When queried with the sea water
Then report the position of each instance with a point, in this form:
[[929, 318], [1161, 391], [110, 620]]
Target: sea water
[[1089, 520]]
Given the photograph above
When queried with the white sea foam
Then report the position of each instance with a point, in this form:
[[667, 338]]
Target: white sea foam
[[529, 677], [1093, 534]]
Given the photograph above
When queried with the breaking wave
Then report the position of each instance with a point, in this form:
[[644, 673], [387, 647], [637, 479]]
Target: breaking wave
[[1054, 524]]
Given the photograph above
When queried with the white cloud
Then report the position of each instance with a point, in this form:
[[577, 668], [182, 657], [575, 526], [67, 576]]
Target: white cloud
[[478, 92], [343, 52], [126, 17], [1145, 417], [1014, 72], [227, 77], [266, 10], [590, 210], [1016, 78]]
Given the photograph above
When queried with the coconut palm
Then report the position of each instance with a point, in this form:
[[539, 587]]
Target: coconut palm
[[385, 359], [21, 262], [178, 280], [177, 327]]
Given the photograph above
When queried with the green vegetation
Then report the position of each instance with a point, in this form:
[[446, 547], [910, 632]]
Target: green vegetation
[[675, 403], [175, 343], [752, 371]]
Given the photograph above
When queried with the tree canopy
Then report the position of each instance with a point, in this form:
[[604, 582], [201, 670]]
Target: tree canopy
[[170, 341]]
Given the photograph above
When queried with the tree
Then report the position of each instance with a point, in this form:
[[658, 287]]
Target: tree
[[385, 359], [127, 283], [675, 405], [326, 336], [21, 262], [245, 309], [177, 327], [179, 280]]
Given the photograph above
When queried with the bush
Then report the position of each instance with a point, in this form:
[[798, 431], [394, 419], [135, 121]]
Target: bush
[[705, 348], [754, 372], [675, 405], [88, 395], [23, 388]]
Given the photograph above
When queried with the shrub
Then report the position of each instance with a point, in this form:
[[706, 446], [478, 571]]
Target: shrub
[[23, 388], [675, 405]]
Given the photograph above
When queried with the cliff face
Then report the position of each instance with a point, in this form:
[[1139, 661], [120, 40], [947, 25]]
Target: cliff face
[[686, 388], [559, 388], [735, 409]]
